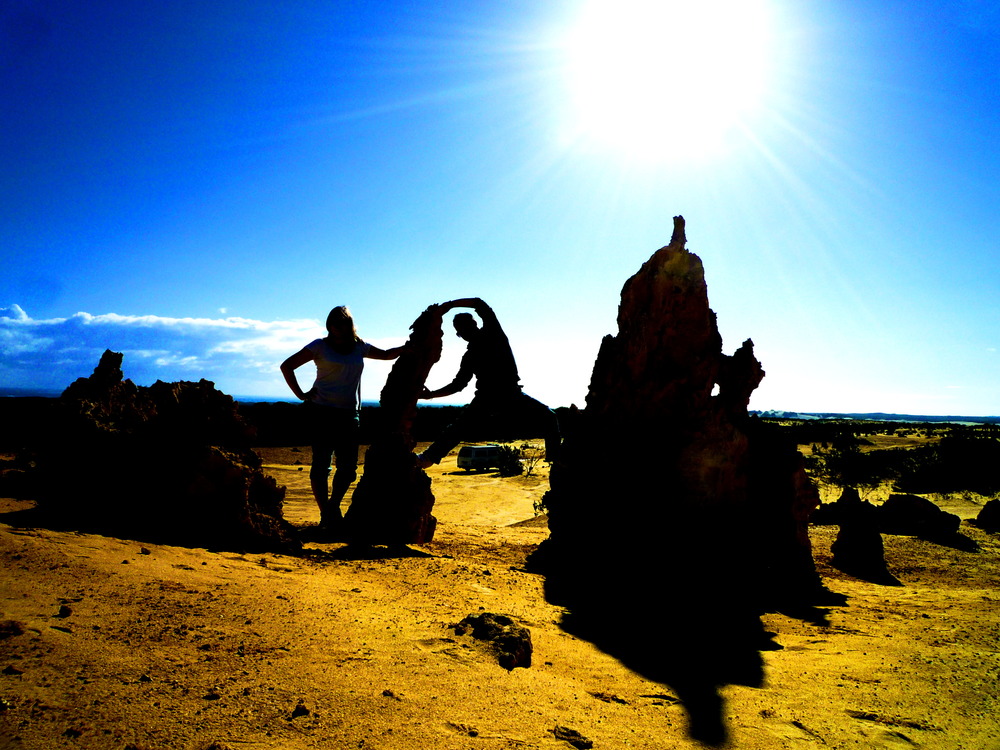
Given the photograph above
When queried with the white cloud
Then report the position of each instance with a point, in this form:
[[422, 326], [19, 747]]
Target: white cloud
[[14, 312], [184, 363], [236, 353]]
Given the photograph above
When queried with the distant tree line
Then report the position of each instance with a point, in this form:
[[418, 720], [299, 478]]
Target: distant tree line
[[822, 431], [963, 460], [966, 458]]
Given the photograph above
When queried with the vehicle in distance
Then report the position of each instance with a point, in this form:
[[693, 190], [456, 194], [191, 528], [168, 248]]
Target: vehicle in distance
[[479, 457]]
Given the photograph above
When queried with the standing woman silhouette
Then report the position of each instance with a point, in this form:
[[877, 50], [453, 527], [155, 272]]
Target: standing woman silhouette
[[332, 405]]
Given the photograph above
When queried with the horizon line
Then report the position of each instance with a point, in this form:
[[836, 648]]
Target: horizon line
[[8, 392]]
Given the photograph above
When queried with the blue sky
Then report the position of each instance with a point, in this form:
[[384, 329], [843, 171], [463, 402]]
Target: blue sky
[[196, 184]]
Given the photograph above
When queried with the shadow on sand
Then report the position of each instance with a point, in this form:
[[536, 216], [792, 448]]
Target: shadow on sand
[[684, 612], [364, 552], [37, 517]]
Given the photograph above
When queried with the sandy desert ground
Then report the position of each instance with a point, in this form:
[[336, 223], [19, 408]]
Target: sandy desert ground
[[117, 643]]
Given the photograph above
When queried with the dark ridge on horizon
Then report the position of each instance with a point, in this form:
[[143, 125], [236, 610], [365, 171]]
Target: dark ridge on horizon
[[6, 392], [873, 416], [53, 393], [30, 392]]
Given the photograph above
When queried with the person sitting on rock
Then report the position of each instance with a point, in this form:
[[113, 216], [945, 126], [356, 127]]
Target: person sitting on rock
[[333, 403], [498, 389]]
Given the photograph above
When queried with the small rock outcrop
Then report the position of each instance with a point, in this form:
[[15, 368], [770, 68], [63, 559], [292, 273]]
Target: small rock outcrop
[[913, 515], [859, 551], [171, 463], [573, 737], [393, 501], [845, 506], [508, 641], [989, 517]]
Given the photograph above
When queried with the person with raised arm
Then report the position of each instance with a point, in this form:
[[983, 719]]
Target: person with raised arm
[[489, 359]]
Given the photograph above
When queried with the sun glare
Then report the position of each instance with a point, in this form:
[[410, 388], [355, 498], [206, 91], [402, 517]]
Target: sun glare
[[666, 78]]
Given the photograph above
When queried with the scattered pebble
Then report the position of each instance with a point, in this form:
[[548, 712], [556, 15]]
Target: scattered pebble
[[609, 698], [10, 628], [573, 737], [510, 642], [464, 729]]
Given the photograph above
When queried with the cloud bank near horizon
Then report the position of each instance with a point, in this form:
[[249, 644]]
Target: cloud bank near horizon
[[240, 355]]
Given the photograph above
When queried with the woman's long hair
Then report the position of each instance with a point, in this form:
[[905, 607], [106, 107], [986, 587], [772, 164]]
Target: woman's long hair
[[341, 319]]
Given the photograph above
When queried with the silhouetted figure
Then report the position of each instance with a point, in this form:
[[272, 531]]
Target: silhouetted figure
[[489, 359], [332, 403]]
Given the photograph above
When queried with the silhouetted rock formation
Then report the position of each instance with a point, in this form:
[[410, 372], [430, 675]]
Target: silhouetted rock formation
[[700, 522], [858, 549], [170, 462], [833, 514], [393, 500], [916, 516]]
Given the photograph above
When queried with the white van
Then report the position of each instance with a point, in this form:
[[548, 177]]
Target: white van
[[479, 457]]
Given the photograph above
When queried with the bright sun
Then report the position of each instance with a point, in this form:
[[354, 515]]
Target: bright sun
[[667, 78]]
